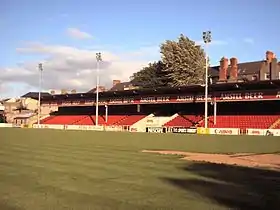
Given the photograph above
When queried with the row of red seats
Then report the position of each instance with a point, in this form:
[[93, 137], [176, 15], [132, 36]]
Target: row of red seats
[[226, 121], [243, 121], [90, 120], [184, 121]]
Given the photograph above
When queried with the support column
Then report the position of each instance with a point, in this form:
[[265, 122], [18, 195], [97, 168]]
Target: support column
[[138, 108], [106, 113]]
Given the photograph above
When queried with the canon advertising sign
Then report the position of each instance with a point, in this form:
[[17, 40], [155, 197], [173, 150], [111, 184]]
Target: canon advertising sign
[[224, 131]]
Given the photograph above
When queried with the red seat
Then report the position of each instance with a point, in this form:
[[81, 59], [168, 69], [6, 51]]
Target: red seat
[[130, 120], [63, 119], [183, 121], [242, 121]]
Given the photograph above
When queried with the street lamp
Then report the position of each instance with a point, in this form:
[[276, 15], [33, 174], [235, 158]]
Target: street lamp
[[40, 67], [98, 59], [207, 38]]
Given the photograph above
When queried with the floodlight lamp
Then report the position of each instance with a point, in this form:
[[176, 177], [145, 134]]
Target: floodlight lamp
[[98, 56], [207, 37], [40, 66]]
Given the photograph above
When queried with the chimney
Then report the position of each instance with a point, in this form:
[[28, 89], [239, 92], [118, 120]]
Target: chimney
[[115, 82], [233, 69], [269, 56], [63, 91], [102, 89], [223, 69]]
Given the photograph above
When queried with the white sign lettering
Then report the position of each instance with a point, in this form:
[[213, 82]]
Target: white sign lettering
[[121, 101], [240, 96], [258, 95], [231, 96], [224, 131], [154, 99], [185, 98]]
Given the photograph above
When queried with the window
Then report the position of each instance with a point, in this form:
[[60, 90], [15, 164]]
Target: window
[[254, 78], [267, 76]]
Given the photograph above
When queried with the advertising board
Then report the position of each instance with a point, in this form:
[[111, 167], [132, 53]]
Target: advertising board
[[255, 132], [45, 126], [113, 128], [133, 129], [224, 131], [84, 127], [184, 130], [6, 125], [154, 130], [263, 132], [203, 131]]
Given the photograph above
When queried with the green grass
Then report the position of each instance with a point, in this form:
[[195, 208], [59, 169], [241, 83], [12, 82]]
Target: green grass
[[51, 169]]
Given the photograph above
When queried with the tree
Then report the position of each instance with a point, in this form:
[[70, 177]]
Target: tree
[[153, 75], [184, 62]]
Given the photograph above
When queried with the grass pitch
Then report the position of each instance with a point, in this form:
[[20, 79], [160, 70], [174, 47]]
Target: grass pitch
[[51, 169]]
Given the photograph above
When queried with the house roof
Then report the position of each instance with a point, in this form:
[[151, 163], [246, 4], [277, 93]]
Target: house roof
[[243, 68], [121, 86], [35, 95], [93, 90]]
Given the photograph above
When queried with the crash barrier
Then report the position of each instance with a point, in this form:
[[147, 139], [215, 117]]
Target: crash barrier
[[6, 125], [214, 131], [180, 130], [44, 126], [70, 127], [226, 131], [263, 132], [113, 128]]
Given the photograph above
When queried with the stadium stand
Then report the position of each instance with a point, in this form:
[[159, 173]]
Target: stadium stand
[[231, 115], [242, 121]]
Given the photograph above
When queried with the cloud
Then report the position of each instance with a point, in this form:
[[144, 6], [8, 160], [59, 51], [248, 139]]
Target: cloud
[[69, 68], [77, 34], [249, 40], [213, 42]]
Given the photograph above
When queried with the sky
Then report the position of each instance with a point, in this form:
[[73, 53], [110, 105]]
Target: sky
[[64, 35]]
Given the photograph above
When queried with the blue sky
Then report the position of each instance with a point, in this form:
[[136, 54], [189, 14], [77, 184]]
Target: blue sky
[[245, 29]]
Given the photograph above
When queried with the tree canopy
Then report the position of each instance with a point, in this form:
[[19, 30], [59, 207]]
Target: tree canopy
[[151, 76], [182, 63]]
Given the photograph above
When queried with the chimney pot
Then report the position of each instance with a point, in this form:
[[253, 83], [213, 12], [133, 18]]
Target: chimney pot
[[116, 81], [233, 68], [233, 61], [223, 69], [269, 56]]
